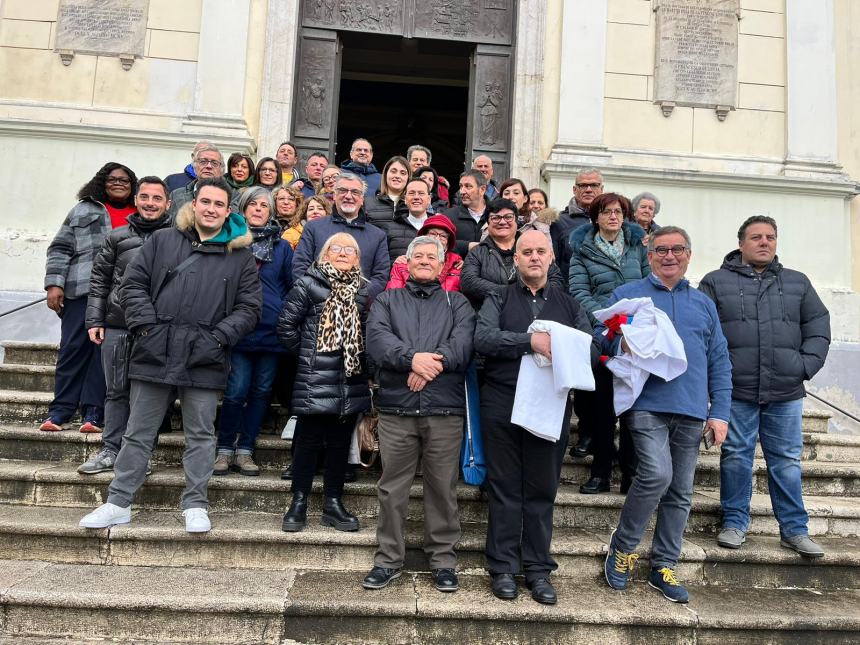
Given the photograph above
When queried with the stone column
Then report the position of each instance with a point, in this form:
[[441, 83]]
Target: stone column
[[581, 90], [276, 111], [811, 87], [528, 91], [219, 90]]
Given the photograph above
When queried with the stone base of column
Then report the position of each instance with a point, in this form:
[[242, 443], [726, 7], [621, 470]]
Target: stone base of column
[[812, 169], [224, 125]]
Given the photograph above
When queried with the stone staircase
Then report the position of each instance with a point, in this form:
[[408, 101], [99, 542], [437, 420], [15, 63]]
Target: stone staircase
[[248, 582]]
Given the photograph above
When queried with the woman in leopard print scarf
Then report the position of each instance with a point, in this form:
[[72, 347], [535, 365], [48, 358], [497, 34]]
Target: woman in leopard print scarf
[[340, 325]]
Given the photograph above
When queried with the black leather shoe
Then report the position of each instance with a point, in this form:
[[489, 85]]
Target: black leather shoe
[[445, 580], [582, 447], [350, 475], [504, 586], [379, 577], [543, 591], [595, 485], [287, 473], [297, 514], [336, 516]]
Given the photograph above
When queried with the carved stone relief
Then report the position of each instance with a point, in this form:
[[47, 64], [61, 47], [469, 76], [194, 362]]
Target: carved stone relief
[[492, 92], [485, 21], [313, 118], [378, 16]]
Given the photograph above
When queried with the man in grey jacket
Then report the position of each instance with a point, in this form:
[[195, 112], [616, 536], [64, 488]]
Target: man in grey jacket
[[778, 332]]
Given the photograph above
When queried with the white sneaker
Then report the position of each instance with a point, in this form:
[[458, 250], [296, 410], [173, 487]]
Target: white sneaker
[[106, 515], [197, 520]]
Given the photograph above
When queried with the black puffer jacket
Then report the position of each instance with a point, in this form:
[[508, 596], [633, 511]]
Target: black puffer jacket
[[487, 269], [380, 209], [119, 248], [185, 326], [570, 219], [321, 385], [468, 230], [421, 317], [777, 328], [399, 233]]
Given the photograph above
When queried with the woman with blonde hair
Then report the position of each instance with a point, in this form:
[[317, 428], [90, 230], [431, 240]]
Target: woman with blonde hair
[[323, 322], [313, 208]]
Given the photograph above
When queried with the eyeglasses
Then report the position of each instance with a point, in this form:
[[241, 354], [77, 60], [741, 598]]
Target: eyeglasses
[[122, 181], [593, 186], [208, 162], [268, 170], [613, 211], [337, 249], [355, 192], [677, 250], [439, 235], [508, 217]]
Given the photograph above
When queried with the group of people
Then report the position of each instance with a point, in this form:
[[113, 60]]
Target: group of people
[[383, 290]]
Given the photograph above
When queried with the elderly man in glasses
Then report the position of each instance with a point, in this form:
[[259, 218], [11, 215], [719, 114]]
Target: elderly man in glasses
[[208, 164], [347, 217], [668, 418]]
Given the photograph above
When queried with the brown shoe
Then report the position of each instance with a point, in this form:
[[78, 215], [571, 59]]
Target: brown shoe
[[244, 465], [222, 464]]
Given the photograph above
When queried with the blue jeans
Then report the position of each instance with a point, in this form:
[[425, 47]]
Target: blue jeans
[[246, 398], [778, 427], [667, 447]]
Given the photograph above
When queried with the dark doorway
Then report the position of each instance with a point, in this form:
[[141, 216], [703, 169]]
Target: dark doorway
[[397, 92]]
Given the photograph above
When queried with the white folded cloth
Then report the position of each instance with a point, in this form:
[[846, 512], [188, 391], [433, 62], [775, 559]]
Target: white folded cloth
[[543, 386], [655, 348]]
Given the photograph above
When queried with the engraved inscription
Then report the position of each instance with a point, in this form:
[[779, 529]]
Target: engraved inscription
[[697, 52], [102, 26]]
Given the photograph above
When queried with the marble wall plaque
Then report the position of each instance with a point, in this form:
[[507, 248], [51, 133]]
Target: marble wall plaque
[[102, 26], [697, 52]]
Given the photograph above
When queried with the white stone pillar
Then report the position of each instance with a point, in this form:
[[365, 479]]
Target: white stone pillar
[[528, 91], [811, 86], [219, 89], [276, 110]]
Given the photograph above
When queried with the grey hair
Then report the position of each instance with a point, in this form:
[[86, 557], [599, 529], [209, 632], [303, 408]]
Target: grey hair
[[349, 176], [482, 155], [417, 148], [634, 204], [255, 192], [361, 139], [589, 171], [421, 240], [477, 175], [208, 147], [200, 145], [669, 230], [349, 239]]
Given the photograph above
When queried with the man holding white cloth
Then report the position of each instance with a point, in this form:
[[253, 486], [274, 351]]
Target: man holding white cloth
[[523, 470]]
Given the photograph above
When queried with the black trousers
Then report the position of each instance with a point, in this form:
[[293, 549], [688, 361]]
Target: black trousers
[[601, 411], [523, 473], [313, 433], [80, 379]]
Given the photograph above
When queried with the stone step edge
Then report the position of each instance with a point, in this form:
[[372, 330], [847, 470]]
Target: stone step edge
[[310, 593], [265, 528], [704, 500]]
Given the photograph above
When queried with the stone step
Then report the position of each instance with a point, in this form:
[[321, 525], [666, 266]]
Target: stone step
[[255, 541], [26, 353], [24, 443], [58, 484], [261, 606], [27, 378]]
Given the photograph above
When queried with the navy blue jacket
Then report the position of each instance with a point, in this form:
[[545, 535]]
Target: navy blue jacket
[[180, 179], [276, 280], [372, 242], [367, 172]]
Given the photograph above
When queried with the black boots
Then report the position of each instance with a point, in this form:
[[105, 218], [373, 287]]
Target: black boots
[[297, 515], [335, 515]]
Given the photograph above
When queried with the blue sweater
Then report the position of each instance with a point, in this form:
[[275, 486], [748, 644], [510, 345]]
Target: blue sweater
[[709, 371], [276, 280]]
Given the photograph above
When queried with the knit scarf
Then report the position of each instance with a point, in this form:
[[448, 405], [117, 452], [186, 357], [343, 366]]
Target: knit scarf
[[612, 251], [340, 324], [263, 240]]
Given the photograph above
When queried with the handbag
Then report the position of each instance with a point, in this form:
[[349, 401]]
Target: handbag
[[367, 434], [472, 453]]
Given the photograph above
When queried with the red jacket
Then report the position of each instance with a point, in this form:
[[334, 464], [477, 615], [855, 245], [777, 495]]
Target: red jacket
[[450, 276]]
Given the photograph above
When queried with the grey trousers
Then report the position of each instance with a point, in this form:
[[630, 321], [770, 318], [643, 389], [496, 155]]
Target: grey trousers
[[114, 352], [403, 441], [149, 402]]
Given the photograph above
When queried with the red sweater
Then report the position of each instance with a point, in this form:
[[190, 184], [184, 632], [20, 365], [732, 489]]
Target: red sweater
[[118, 215]]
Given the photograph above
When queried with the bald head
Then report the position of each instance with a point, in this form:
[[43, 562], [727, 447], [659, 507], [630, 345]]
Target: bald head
[[532, 257]]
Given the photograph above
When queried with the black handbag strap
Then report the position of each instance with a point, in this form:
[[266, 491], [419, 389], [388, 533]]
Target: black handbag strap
[[187, 262]]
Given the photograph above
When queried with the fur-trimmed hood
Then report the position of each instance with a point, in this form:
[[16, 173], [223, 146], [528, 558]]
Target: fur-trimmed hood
[[234, 234]]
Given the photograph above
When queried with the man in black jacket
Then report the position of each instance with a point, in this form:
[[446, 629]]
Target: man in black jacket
[[778, 332], [190, 294], [469, 216], [105, 320], [523, 470], [420, 339]]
